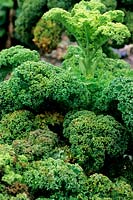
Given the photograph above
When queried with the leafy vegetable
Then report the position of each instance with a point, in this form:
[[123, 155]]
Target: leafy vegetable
[[92, 137], [91, 28]]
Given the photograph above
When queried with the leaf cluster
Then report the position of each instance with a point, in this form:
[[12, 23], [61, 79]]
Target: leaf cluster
[[29, 15], [92, 27], [34, 85], [118, 95], [13, 57], [37, 145], [92, 137], [15, 125], [47, 35]]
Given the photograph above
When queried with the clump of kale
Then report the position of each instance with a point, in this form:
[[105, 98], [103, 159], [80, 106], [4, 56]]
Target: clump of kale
[[40, 86], [13, 57], [117, 98], [15, 125], [93, 137]]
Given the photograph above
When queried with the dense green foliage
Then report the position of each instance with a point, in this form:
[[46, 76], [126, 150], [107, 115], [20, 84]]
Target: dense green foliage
[[91, 29], [127, 7], [110, 4], [119, 96], [128, 21], [61, 4], [34, 85], [92, 137], [47, 35], [66, 132], [13, 57], [30, 13], [15, 125], [56, 177], [38, 144]]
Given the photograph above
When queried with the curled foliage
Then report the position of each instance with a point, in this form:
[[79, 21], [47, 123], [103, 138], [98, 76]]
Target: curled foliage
[[53, 120], [11, 165], [102, 187], [37, 85], [110, 4], [91, 137], [21, 196], [13, 57], [7, 99], [30, 13], [16, 55], [116, 67], [119, 97], [63, 153], [47, 35], [128, 22], [37, 145], [91, 28], [61, 4], [48, 118], [55, 177], [15, 125]]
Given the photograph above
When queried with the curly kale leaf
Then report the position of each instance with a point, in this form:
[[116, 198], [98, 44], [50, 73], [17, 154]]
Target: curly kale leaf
[[92, 137], [37, 85], [47, 34], [30, 13], [61, 4], [13, 57], [15, 125], [119, 97], [37, 145], [102, 187], [55, 176], [91, 28]]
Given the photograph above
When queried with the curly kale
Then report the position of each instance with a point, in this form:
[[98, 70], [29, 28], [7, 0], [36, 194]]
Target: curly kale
[[49, 119], [11, 168], [13, 57], [63, 153], [102, 187], [107, 70], [92, 137], [20, 196], [55, 178], [110, 4], [61, 4], [37, 145], [106, 66], [30, 13], [91, 28], [15, 125], [117, 97], [11, 165], [47, 35], [39, 85]]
